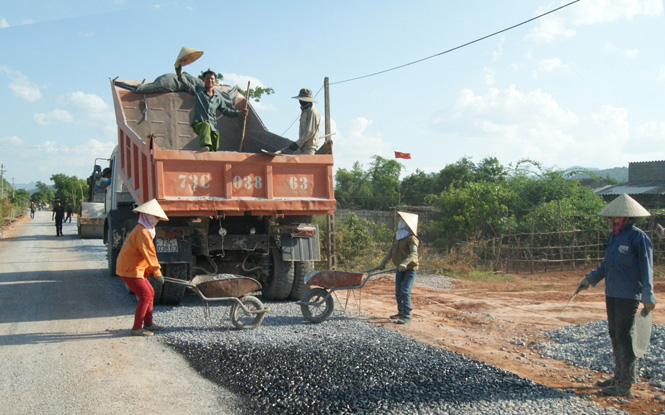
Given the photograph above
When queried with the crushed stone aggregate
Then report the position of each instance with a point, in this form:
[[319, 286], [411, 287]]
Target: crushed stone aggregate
[[347, 366]]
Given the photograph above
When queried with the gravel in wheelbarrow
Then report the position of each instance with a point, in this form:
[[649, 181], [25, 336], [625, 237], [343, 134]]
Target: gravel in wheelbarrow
[[225, 285]]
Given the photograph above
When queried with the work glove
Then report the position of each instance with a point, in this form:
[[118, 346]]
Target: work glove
[[244, 112], [294, 146], [159, 279], [584, 284], [401, 267], [648, 308]]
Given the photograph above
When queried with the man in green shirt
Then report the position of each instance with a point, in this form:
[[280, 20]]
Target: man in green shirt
[[206, 102]]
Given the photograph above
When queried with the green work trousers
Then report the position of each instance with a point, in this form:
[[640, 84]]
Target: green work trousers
[[207, 137]]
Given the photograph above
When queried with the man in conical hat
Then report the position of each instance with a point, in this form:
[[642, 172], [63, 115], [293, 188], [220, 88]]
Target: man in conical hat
[[628, 272], [308, 133], [404, 255], [138, 259]]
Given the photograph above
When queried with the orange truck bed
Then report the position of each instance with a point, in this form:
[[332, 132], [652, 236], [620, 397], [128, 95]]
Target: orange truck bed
[[158, 158]]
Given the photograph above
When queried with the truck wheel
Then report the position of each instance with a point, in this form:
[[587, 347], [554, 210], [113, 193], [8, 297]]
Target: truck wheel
[[173, 293], [279, 283], [111, 253], [299, 288], [242, 320]]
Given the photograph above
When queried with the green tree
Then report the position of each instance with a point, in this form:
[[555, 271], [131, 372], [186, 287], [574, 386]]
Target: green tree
[[69, 188], [44, 194], [255, 93]]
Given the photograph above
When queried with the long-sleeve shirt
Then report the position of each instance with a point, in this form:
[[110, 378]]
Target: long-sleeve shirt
[[627, 267], [308, 134], [404, 252], [137, 257], [205, 106]]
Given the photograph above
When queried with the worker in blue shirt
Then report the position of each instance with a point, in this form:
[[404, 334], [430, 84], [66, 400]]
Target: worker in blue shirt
[[628, 272]]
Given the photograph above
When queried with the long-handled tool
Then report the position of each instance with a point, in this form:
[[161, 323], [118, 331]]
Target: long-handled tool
[[571, 299], [244, 123], [278, 152]]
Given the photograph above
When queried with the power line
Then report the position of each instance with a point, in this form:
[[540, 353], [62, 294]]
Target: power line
[[456, 47]]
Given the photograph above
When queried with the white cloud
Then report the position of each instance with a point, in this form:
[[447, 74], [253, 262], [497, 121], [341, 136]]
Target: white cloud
[[550, 65], [489, 77], [357, 143], [56, 116], [20, 85], [241, 81], [555, 26], [649, 138], [499, 49], [3, 23], [11, 141], [100, 115], [27, 21], [629, 53], [661, 75]]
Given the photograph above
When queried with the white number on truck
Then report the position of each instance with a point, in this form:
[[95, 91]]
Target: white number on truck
[[298, 182], [193, 181], [166, 245], [248, 182]]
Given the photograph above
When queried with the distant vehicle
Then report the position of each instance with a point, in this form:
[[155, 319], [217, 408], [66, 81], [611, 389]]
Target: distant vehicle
[[241, 212], [91, 215]]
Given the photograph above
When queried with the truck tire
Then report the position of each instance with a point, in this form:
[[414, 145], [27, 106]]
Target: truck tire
[[173, 293], [279, 284], [299, 287], [111, 252]]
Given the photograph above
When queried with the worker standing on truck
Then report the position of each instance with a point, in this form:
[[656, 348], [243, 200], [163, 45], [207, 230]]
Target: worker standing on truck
[[206, 102], [308, 134], [138, 259], [628, 272], [58, 215], [404, 254]]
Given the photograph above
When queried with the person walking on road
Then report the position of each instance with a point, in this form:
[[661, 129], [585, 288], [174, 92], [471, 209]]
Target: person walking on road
[[68, 211], [33, 208], [138, 259], [207, 100], [308, 134], [404, 254], [58, 215], [628, 272]]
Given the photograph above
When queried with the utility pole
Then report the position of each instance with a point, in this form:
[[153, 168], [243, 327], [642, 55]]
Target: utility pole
[[2, 182], [13, 187], [330, 220]]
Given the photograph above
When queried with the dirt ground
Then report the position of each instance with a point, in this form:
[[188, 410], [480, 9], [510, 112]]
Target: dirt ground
[[495, 323]]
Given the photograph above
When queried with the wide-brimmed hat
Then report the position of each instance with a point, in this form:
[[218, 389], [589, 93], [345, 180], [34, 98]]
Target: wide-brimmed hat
[[411, 220], [152, 208], [305, 95], [624, 206], [187, 56]]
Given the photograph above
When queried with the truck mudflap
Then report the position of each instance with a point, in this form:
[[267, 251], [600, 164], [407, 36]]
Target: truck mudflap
[[301, 246], [173, 246]]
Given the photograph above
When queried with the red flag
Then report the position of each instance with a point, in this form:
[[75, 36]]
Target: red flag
[[400, 155]]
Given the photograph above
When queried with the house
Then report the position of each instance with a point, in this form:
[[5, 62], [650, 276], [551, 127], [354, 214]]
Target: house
[[646, 184]]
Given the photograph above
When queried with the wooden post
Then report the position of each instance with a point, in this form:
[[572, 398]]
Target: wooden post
[[531, 245], [330, 219], [244, 122], [558, 206]]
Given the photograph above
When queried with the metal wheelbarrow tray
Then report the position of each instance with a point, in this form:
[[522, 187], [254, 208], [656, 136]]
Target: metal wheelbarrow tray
[[247, 311], [317, 304]]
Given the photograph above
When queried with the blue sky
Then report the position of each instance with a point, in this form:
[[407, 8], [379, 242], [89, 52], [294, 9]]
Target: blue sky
[[584, 86]]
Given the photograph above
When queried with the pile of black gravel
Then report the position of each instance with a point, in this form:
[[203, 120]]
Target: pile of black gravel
[[348, 366]]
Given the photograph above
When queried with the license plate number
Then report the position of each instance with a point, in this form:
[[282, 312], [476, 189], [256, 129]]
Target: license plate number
[[166, 245]]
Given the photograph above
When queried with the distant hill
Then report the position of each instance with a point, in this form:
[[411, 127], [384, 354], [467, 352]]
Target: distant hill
[[617, 173]]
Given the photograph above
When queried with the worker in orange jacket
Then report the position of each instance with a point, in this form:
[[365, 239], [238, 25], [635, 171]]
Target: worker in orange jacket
[[138, 259]]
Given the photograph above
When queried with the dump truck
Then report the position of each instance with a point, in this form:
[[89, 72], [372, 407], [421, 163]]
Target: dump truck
[[91, 212], [239, 210]]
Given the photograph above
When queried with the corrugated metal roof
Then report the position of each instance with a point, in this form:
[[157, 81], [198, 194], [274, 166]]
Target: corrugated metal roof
[[634, 188]]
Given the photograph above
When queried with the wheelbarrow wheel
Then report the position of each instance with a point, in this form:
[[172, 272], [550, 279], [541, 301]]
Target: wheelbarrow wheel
[[243, 320], [317, 313]]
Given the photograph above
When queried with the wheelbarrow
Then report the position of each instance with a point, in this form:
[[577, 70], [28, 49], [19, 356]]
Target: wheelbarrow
[[318, 303], [247, 311]]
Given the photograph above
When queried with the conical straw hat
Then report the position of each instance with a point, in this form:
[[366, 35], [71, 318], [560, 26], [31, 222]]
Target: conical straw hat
[[187, 56], [152, 208], [411, 220], [624, 206]]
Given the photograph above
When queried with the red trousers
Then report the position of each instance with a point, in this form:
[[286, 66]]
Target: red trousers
[[145, 294]]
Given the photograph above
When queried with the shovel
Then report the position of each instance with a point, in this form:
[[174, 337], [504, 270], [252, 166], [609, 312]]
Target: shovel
[[571, 300], [278, 152]]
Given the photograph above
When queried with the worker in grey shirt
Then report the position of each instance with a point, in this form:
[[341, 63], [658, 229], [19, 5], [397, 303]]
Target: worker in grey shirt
[[206, 102], [308, 135]]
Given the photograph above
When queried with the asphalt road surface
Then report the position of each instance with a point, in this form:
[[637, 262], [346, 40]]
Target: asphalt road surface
[[64, 336]]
